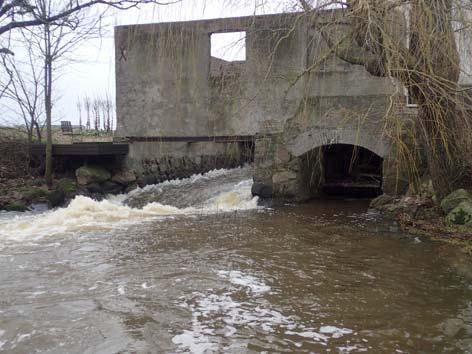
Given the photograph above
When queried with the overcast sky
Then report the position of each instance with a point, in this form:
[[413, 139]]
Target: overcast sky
[[93, 73]]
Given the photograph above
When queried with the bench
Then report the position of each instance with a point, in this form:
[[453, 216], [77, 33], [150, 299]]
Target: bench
[[66, 127]]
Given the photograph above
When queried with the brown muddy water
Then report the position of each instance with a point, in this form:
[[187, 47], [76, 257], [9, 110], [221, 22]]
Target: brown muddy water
[[200, 268]]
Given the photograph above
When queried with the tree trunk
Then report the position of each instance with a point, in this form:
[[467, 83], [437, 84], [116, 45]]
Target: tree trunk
[[434, 83], [48, 104], [448, 167], [38, 131]]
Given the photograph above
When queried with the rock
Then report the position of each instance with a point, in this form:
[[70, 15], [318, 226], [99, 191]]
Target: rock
[[131, 187], [411, 209], [91, 174], [16, 206], [454, 199], [453, 326], [34, 194], [17, 195], [262, 190], [283, 177], [94, 188], [282, 155], [125, 177], [68, 186], [461, 214], [381, 201], [56, 198], [111, 188], [146, 180]]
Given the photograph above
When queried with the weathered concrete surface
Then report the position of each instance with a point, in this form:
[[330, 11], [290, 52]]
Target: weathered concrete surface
[[163, 76], [169, 85]]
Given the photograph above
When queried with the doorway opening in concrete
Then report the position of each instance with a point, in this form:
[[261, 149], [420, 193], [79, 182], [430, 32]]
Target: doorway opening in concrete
[[228, 46], [351, 170]]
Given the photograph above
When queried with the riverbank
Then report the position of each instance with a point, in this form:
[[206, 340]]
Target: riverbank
[[29, 192], [423, 216]]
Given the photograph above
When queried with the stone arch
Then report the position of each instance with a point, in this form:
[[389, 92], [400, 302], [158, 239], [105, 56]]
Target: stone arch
[[318, 137]]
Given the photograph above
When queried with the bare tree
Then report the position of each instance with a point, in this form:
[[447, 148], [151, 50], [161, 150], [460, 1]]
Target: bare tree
[[104, 113], [367, 33], [79, 109], [96, 111], [88, 107], [26, 90], [62, 25], [23, 14], [107, 107]]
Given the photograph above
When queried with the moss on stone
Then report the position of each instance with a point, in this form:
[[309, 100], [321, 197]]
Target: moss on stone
[[92, 174], [67, 185], [454, 199], [461, 214], [33, 194]]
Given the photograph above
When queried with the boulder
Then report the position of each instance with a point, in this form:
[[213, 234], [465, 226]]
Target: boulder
[[94, 188], [454, 199], [131, 187], [91, 174], [56, 198], [381, 201], [68, 186], [146, 180], [125, 177], [262, 190], [111, 187], [34, 194], [461, 214]]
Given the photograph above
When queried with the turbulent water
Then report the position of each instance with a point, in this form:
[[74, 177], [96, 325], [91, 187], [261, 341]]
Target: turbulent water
[[196, 266]]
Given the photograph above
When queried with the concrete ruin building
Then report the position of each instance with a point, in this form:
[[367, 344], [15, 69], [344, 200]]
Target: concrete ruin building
[[307, 119]]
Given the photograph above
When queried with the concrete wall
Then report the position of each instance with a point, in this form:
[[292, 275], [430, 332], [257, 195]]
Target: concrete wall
[[164, 85], [169, 85]]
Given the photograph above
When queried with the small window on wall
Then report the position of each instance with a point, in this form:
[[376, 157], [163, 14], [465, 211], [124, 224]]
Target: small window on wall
[[410, 101], [229, 46]]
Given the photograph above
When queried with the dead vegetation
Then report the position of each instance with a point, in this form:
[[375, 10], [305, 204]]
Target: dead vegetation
[[14, 158]]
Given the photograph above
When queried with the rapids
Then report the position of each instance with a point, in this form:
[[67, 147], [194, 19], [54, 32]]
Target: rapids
[[196, 266], [213, 192]]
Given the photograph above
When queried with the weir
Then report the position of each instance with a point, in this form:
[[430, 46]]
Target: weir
[[183, 109]]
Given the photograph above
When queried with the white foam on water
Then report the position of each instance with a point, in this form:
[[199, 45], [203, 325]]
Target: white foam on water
[[86, 215], [121, 290], [335, 331], [309, 334], [216, 311], [195, 343], [2, 343], [237, 277], [350, 348], [184, 181]]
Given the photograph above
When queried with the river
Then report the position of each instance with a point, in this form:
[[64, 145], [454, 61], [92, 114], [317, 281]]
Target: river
[[197, 266]]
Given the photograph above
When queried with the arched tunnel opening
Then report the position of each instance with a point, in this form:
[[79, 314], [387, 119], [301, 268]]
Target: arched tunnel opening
[[343, 170]]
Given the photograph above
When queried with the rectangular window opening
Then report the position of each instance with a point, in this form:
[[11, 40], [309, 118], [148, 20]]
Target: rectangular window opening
[[410, 101], [229, 46]]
